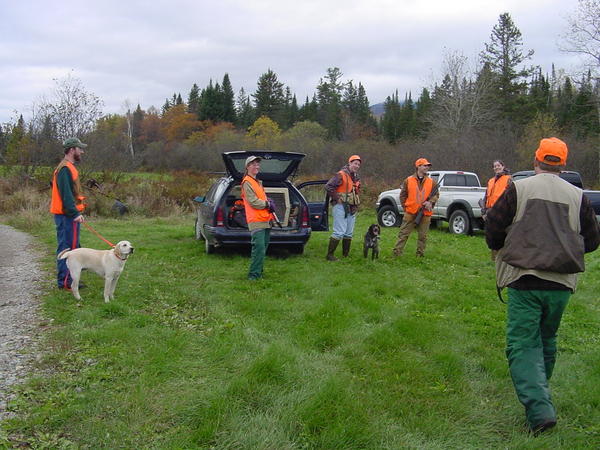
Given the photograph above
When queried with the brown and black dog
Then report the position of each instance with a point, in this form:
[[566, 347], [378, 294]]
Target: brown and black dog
[[372, 241]]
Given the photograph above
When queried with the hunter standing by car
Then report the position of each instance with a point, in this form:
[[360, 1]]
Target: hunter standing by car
[[344, 189], [258, 215], [495, 188], [541, 227], [67, 205], [417, 196]]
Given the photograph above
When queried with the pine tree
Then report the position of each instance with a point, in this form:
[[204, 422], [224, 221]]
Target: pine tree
[[193, 104], [390, 121], [269, 98], [245, 112], [329, 95], [228, 103], [504, 56]]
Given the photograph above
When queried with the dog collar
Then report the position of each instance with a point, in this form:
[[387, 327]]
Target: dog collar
[[118, 257]]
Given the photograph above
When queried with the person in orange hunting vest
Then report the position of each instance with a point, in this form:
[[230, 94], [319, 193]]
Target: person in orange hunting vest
[[67, 205], [259, 214], [495, 188], [414, 196], [344, 189]]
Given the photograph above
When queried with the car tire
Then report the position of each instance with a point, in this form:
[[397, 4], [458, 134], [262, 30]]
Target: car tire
[[459, 222], [387, 216], [296, 249], [198, 230], [208, 247]]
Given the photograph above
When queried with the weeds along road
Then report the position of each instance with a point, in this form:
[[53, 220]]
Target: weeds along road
[[20, 285]]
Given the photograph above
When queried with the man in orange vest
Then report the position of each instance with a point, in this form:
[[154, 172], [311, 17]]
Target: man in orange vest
[[343, 189], [414, 196], [259, 213], [67, 205]]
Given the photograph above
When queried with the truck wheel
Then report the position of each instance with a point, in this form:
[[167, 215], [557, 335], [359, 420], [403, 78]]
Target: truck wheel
[[388, 217], [459, 222]]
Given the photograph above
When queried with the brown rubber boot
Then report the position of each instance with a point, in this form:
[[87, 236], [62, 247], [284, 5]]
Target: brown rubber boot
[[346, 246], [333, 243]]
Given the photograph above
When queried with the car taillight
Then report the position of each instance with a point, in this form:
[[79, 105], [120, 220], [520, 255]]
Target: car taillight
[[305, 219], [219, 217]]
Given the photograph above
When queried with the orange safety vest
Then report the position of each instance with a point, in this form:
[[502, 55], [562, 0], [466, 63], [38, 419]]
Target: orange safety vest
[[418, 195], [56, 203], [348, 186], [252, 214], [495, 188]]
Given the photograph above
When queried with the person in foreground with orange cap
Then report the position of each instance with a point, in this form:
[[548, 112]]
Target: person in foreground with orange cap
[[344, 189], [541, 227], [259, 214], [67, 205], [415, 195]]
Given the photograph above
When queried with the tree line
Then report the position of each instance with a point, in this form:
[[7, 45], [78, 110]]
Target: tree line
[[497, 106]]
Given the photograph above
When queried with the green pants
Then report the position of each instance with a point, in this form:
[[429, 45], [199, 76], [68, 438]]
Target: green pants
[[533, 321], [260, 241]]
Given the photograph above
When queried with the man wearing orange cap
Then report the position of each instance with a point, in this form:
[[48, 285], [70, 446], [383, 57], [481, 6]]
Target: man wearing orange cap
[[415, 195], [343, 189], [541, 227]]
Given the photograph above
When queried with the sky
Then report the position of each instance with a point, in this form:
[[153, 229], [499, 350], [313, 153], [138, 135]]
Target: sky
[[141, 52]]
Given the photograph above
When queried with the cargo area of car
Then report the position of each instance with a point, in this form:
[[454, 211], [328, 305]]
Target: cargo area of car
[[287, 207]]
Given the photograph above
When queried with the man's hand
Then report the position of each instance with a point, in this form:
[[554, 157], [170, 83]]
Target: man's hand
[[428, 205], [270, 204], [79, 219]]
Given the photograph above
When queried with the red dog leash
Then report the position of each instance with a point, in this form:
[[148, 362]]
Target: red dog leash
[[89, 227]]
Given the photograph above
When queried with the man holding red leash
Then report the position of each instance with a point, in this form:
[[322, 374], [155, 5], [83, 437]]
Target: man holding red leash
[[67, 205]]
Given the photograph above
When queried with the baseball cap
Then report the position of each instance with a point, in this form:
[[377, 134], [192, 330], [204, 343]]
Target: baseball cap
[[422, 162], [250, 159], [73, 142], [555, 149], [354, 157]]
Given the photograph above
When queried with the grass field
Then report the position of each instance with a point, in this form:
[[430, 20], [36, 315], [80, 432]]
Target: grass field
[[404, 353]]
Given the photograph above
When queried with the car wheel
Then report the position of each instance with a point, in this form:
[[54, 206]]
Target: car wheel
[[388, 217], [459, 222], [210, 248], [296, 249], [198, 230]]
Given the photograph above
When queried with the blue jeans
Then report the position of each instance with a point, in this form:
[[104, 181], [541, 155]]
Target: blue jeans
[[67, 235], [343, 227]]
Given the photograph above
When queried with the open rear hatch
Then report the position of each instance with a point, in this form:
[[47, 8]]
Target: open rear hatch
[[275, 166]]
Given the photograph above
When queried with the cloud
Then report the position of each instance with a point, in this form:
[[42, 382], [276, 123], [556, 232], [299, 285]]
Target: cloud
[[145, 51]]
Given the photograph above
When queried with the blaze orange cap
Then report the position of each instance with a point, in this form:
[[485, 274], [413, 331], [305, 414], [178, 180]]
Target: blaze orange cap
[[555, 149], [354, 157], [422, 162]]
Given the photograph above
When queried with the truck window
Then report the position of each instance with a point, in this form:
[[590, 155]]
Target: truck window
[[450, 179], [471, 180]]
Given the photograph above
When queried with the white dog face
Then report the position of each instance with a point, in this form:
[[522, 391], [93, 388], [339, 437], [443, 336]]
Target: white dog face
[[124, 248]]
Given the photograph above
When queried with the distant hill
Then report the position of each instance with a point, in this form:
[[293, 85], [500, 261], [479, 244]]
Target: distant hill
[[377, 110]]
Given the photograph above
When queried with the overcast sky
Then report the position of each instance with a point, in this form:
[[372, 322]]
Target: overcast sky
[[144, 51]]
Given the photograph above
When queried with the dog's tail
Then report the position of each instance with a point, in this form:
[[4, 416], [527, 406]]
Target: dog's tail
[[63, 254]]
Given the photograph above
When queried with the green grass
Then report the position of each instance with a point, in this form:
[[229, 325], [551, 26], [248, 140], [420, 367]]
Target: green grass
[[404, 353]]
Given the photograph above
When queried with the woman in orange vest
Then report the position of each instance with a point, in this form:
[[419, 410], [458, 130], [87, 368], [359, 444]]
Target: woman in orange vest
[[259, 210], [496, 185], [495, 188], [415, 195], [343, 189], [67, 205]]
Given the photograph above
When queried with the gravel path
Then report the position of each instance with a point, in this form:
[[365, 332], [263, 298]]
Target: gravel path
[[20, 285]]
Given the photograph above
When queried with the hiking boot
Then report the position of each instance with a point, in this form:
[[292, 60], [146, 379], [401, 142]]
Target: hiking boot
[[544, 426], [333, 243], [346, 247]]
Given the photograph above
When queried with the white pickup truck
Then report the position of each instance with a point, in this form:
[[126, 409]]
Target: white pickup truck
[[458, 203]]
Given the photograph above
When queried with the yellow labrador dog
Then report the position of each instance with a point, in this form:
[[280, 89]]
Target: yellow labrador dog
[[107, 263]]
